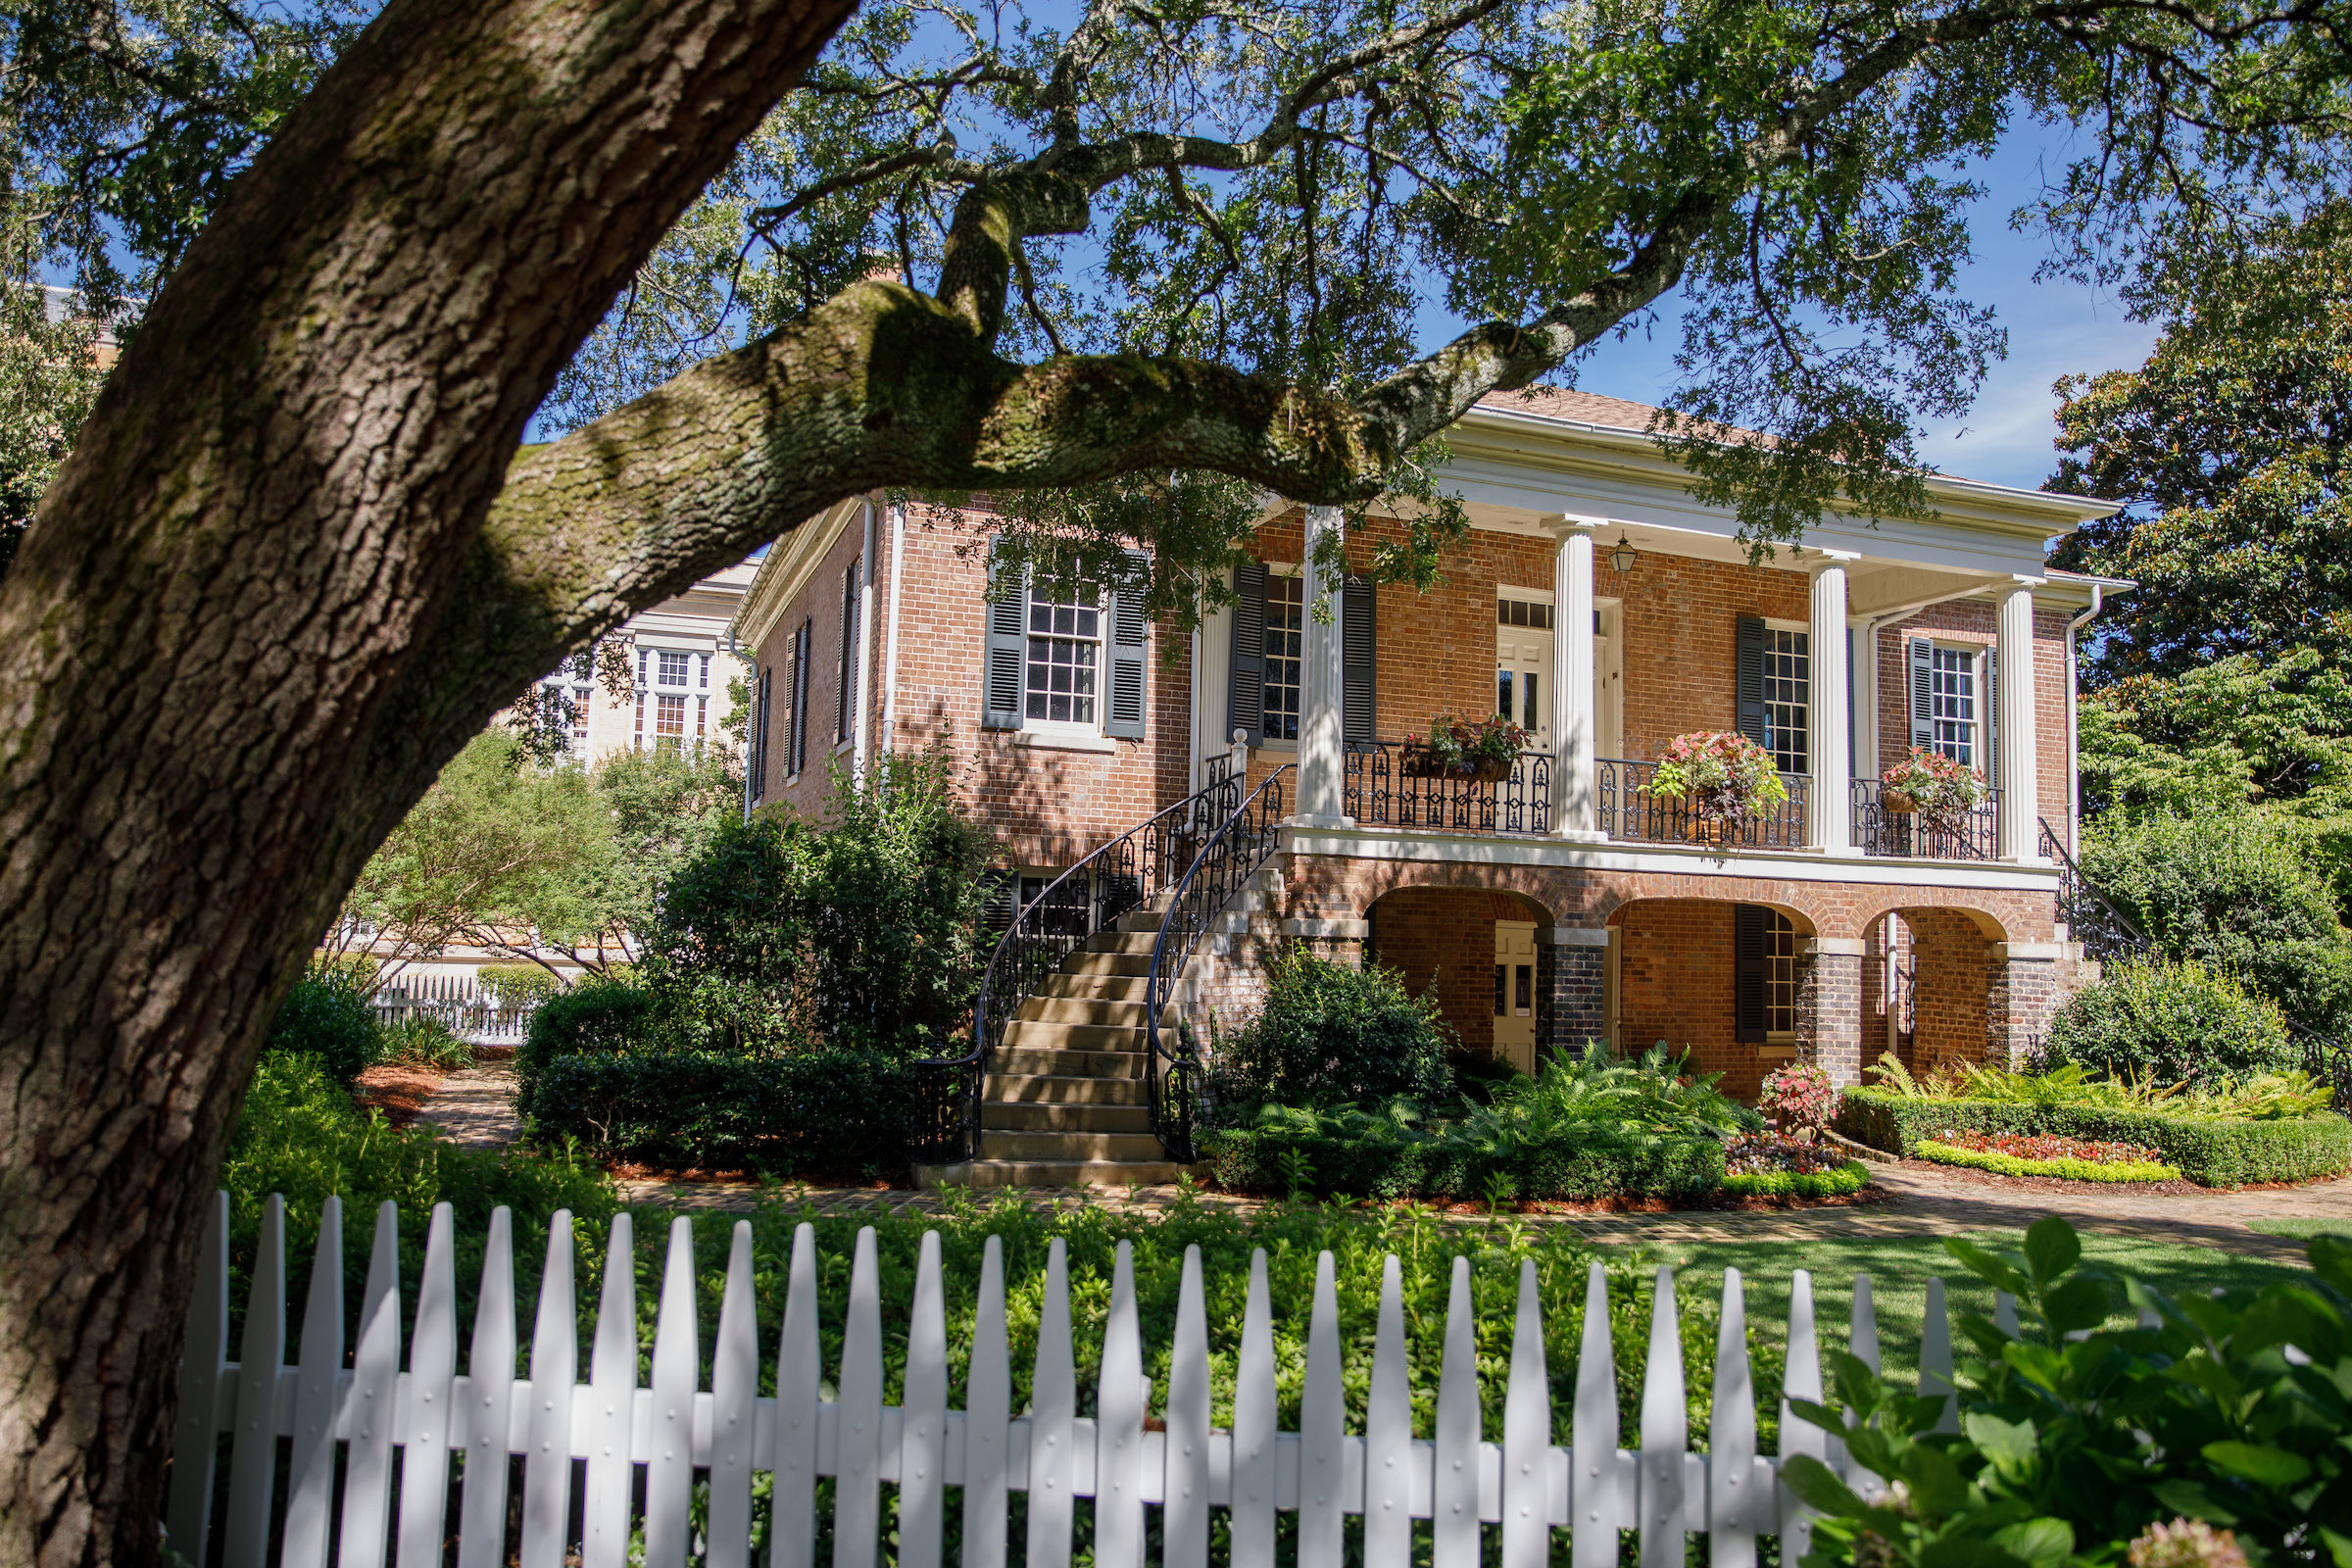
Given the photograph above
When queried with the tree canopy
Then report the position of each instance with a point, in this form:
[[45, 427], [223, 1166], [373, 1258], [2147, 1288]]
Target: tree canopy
[[1144, 254]]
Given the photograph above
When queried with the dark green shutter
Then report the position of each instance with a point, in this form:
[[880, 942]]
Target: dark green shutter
[[1749, 687], [1008, 646], [1128, 641], [1751, 963], [1992, 717], [1922, 663], [1245, 705], [1358, 603]]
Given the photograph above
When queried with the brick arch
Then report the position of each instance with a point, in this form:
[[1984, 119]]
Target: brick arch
[[1348, 889], [1938, 1013], [1439, 935], [1990, 924], [1805, 911]]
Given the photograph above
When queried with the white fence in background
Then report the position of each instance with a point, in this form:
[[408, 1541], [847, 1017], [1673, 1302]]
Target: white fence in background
[[474, 1015], [367, 1405]]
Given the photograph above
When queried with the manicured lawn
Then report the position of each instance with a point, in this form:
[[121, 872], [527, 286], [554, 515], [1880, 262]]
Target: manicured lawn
[[2301, 1227], [1900, 1269]]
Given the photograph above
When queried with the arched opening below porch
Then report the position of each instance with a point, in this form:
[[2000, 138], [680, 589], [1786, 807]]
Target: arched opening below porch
[[1723, 982], [1928, 978], [1482, 956]]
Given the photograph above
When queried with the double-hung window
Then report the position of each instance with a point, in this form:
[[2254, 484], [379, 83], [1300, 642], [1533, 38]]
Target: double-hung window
[[1285, 653], [1788, 697], [1065, 653], [564, 698], [673, 701], [1952, 694]]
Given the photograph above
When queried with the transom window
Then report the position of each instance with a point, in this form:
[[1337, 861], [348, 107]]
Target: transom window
[[1954, 716], [1065, 644], [1788, 697], [1286, 647]]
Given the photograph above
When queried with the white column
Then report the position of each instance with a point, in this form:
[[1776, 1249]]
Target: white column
[[2020, 841], [1830, 814], [1322, 681], [1574, 788]]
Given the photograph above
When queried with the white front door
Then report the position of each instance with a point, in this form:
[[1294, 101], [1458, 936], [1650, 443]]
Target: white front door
[[1515, 993], [1523, 666]]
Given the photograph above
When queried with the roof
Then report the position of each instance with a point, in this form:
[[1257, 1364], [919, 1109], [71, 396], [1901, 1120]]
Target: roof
[[1583, 408]]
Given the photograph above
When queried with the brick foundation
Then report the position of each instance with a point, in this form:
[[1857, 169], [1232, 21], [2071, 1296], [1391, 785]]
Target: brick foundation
[[1572, 981], [1829, 1009]]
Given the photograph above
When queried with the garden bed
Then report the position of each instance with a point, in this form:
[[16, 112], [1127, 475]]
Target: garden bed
[[2059, 1184], [2080, 1160], [398, 1088]]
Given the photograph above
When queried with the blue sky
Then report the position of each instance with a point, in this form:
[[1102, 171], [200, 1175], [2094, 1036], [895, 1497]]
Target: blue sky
[[2056, 328]]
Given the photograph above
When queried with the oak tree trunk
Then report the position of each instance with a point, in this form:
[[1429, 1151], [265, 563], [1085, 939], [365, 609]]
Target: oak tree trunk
[[233, 659]]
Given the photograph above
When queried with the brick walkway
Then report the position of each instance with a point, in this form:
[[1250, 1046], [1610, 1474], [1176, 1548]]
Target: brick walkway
[[475, 1107]]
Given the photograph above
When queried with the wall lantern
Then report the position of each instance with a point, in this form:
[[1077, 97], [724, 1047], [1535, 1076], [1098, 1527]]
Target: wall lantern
[[1622, 558]]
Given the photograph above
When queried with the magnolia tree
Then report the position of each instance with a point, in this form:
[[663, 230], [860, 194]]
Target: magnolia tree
[[1124, 266]]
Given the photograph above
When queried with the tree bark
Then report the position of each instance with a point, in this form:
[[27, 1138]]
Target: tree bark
[[234, 666]]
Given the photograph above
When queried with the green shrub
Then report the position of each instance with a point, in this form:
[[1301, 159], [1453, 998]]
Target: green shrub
[[2212, 1152], [1843, 1181], [861, 932], [301, 1136], [2072, 1439], [518, 985], [2064, 1167], [2173, 1022], [326, 1016], [1331, 1035], [1300, 1153], [425, 1043], [593, 1017], [2240, 894], [811, 1112]]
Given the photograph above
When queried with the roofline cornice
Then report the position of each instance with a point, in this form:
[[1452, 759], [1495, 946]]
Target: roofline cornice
[[791, 562]]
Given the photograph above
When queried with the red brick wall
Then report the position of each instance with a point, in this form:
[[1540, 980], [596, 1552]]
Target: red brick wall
[[1675, 983], [1948, 1004], [1682, 640], [1046, 806], [1446, 936], [819, 601], [1969, 621]]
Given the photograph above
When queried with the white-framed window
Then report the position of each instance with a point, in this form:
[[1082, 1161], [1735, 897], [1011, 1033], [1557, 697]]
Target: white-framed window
[[1787, 695], [1285, 653], [564, 698], [1063, 685], [1956, 710], [673, 704]]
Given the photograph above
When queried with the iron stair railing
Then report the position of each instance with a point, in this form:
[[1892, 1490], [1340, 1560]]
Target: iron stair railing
[[1123, 875], [2107, 933], [1242, 843]]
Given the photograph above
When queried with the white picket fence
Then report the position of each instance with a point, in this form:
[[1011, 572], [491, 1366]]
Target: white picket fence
[[371, 1409], [474, 1015]]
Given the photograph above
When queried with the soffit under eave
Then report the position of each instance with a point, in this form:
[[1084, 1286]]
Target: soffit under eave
[[791, 560], [1626, 456]]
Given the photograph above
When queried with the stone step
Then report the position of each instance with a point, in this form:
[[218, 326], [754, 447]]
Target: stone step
[[1075, 1147], [1045, 1089], [1095, 987], [1054, 1173], [1031, 1035], [1023, 1060], [1077, 1009], [1134, 944], [1090, 964], [997, 1116]]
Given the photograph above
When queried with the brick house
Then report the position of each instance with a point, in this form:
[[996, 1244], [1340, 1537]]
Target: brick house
[[1607, 611]]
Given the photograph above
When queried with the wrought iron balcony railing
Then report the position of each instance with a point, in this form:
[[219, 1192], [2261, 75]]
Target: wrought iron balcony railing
[[1631, 809], [1973, 835], [1376, 793]]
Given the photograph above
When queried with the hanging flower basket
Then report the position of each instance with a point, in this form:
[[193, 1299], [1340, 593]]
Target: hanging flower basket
[[1484, 753], [1725, 778], [1934, 786]]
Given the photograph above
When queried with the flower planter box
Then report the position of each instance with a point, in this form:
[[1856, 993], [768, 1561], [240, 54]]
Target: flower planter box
[[1419, 762]]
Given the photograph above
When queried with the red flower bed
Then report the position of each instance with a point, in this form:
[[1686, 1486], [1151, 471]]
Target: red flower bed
[[2047, 1145]]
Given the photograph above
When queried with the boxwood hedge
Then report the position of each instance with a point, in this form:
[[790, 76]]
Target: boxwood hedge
[[1277, 1158], [2210, 1152], [829, 1112]]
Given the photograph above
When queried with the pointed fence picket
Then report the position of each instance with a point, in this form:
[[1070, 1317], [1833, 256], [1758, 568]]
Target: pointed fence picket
[[360, 1424]]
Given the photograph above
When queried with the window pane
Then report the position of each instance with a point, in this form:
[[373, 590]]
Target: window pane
[[1286, 646], [673, 669], [1788, 697], [1529, 722], [1953, 721], [1502, 693], [1062, 652]]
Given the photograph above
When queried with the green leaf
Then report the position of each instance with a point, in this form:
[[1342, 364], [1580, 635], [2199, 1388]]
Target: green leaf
[[1966, 1552], [2340, 1547], [1817, 1486], [2076, 1305], [2268, 1467], [1938, 1487], [2043, 1542], [2193, 1501], [2008, 1446], [1994, 1270], [2051, 1248], [2331, 1260]]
